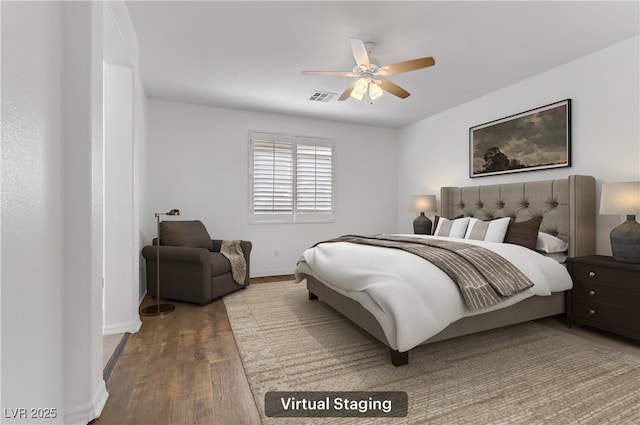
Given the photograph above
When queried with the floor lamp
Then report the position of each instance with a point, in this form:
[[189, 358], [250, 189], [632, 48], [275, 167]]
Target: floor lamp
[[159, 309]]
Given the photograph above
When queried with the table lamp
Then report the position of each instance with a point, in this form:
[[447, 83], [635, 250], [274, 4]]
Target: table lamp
[[159, 309], [623, 199], [422, 204]]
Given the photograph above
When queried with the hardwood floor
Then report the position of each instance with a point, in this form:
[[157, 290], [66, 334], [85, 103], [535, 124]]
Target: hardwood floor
[[109, 345], [182, 368]]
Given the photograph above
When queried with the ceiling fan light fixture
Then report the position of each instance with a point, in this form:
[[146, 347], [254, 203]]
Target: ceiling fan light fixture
[[357, 95], [360, 88], [361, 85], [374, 91]]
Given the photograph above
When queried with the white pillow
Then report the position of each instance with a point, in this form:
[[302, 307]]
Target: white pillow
[[550, 244], [452, 228], [490, 231], [560, 257]]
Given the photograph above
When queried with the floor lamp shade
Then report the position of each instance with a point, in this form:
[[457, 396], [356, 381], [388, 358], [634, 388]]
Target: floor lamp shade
[[422, 204], [158, 309], [623, 199]]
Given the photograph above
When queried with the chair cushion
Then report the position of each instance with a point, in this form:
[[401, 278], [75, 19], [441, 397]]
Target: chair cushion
[[191, 234], [219, 264]]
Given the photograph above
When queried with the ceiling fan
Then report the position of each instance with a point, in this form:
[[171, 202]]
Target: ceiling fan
[[370, 75]]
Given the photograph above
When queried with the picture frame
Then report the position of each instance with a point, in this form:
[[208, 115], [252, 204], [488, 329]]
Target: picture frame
[[537, 139]]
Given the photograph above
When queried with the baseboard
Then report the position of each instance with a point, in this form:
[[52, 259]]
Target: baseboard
[[100, 400], [82, 415], [276, 278], [121, 328], [272, 272]]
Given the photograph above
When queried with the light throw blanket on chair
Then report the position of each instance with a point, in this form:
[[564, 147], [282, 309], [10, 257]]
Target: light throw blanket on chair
[[233, 252]]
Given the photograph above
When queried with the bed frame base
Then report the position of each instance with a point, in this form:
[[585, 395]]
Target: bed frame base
[[399, 358], [532, 308]]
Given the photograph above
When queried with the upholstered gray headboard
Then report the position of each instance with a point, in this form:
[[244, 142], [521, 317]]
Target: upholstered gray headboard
[[567, 207]]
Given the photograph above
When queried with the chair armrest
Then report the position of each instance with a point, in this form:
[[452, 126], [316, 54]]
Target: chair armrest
[[246, 250], [177, 253]]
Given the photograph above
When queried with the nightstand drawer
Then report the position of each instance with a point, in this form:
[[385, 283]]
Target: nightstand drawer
[[595, 293], [600, 274], [608, 317]]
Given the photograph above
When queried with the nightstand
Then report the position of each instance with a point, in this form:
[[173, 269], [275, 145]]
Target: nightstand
[[605, 294]]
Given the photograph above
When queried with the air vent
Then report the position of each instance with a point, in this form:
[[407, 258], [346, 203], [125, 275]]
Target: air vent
[[321, 96]]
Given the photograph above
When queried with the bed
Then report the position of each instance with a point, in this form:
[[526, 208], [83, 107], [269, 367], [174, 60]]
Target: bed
[[567, 210]]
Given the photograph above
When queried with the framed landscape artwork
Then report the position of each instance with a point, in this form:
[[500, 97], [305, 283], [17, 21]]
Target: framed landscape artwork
[[538, 139]]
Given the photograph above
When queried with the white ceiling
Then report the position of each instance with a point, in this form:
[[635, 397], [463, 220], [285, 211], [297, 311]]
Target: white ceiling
[[249, 55]]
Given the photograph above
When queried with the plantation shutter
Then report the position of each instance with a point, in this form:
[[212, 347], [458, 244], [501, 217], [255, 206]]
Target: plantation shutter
[[314, 179], [272, 174], [291, 178]]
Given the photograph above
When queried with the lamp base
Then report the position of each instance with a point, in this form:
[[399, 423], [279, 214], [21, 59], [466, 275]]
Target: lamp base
[[422, 225], [157, 309], [625, 241]]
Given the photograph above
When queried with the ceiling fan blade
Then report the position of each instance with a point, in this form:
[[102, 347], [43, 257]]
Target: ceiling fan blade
[[360, 53], [393, 88], [405, 66], [345, 94], [331, 73]]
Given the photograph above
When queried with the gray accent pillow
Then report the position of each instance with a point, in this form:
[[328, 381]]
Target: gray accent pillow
[[191, 234]]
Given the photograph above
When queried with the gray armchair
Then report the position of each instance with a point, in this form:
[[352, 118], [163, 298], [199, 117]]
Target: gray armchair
[[192, 269]]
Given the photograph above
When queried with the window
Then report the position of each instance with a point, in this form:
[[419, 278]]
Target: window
[[291, 178]]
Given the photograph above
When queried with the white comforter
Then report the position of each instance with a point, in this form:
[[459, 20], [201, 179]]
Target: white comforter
[[411, 298]]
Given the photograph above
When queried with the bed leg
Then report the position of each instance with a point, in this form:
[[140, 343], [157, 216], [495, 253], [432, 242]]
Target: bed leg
[[398, 358], [312, 296]]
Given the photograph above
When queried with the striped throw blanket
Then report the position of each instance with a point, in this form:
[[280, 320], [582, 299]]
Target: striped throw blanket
[[484, 277]]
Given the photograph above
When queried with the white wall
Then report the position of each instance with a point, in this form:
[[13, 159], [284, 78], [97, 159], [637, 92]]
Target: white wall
[[82, 255], [32, 206], [198, 162], [52, 209], [604, 88]]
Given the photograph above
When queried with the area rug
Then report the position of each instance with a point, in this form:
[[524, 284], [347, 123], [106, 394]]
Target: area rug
[[521, 374]]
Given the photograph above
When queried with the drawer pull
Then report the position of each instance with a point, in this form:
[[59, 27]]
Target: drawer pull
[[592, 312], [592, 293], [592, 274]]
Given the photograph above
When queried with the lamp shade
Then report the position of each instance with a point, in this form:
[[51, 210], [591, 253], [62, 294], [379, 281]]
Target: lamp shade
[[423, 203], [620, 198], [623, 199]]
